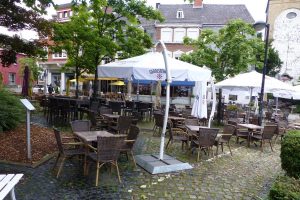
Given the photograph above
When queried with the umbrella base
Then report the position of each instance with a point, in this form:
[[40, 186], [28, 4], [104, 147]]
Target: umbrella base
[[153, 165]]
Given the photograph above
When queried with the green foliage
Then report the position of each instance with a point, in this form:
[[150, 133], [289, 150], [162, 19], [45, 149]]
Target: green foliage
[[297, 110], [232, 107], [274, 62], [11, 111], [35, 70], [290, 153], [99, 29], [226, 52], [22, 15], [285, 188]]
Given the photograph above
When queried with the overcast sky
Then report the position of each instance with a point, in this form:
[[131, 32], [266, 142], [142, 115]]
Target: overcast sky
[[256, 8]]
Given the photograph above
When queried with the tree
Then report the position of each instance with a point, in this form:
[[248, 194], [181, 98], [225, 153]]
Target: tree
[[227, 52], [110, 27], [274, 62], [27, 16]]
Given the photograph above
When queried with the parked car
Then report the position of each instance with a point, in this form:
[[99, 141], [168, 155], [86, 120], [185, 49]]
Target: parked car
[[38, 89]]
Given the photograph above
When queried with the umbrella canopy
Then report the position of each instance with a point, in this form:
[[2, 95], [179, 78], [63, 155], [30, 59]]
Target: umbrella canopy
[[118, 83], [25, 86], [253, 80], [150, 66]]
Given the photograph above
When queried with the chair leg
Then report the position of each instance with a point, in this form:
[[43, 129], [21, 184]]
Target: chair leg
[[118, 171], [217, 151], [222, 147], [60, 167], [56, 160], [198, 156], [261, 145], [97, 172], [229, 148], [168, 143], [133, 158], [271, 145]]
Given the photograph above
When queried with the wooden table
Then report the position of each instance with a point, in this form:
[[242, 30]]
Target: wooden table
[[251, 128], [91, 136], [111, 116], [194, 128]]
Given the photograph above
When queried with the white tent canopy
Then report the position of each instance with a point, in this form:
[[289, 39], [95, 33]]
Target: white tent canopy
[[150, 66], [252, 80]]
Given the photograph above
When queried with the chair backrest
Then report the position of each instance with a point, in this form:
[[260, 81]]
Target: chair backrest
[[94, 106], [129, 104], [192, 122], [124, 123], [58, 140], [108, 148], [159, 120], [81, 125], [269, 131], [105, 110], [207, 136], [133, 134], [228, 131], [115, 106], [254, 120], [232, 122]]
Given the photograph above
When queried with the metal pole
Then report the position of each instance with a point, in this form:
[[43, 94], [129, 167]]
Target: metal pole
[[28, 134], [213, 90], [264, 74], [169, 80]]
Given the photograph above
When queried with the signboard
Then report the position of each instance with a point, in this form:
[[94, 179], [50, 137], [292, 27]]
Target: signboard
[[27, 104]]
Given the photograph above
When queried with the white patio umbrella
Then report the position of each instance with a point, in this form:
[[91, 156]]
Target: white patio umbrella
[[253, 80], [154, 66]]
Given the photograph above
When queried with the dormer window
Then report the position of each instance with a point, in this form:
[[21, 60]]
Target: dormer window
[[180, 14]]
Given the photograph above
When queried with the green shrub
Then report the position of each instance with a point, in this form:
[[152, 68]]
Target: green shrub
[[232, 107], [11, 111], [290, 153], [285, 188], [297, 110]]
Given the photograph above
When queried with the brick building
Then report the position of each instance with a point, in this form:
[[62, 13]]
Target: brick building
[[188, 20], [11, 77]]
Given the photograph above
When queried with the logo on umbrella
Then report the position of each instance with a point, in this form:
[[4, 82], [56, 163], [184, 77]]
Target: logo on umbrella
[[159, 76]]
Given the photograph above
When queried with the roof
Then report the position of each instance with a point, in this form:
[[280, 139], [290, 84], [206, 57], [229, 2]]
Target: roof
[[64, 6], [209, 14]]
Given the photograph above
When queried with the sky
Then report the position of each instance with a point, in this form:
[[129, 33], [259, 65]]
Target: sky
[[256, 8]]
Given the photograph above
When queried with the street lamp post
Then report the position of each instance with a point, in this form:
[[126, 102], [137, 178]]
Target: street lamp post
[[258, 26]]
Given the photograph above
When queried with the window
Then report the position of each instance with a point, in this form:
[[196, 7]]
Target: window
[[60, 14], [179, 14], [232, 97], [59, 55], [12, 78], [65, 15], [71, 13], [193, 33], [106, 60], [46, 50], [166, 34], [179, 34]]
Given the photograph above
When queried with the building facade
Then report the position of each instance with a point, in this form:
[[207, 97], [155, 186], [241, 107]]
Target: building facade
[[284, 19], [11, 75], [183, 20], [53, 73]]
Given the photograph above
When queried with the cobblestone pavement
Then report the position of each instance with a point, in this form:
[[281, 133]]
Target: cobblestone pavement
[[245, 175]]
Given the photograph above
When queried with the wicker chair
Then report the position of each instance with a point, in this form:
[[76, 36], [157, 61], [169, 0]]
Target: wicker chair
[[228, 131], [129, 142], [65, 150], [158, 123], [80, 125], [177, 135], [266, 134], [204, 140], [123, 125], [193, 122], [107, 151]]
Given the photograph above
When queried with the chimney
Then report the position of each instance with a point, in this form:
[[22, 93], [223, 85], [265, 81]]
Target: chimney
[[157, 5], [198, 4]]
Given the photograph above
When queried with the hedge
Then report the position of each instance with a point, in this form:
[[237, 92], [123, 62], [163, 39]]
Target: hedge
[[285, 188], [11, 111], [290, 154]]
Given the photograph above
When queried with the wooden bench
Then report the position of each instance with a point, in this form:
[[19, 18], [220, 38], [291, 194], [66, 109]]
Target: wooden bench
[[7, 184]]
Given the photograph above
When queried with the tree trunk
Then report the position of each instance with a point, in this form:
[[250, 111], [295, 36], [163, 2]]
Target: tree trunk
[[95, 86], [77, 83]]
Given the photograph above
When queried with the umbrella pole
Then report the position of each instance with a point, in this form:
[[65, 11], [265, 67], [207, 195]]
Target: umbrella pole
[[169, 80], [213, 108]]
